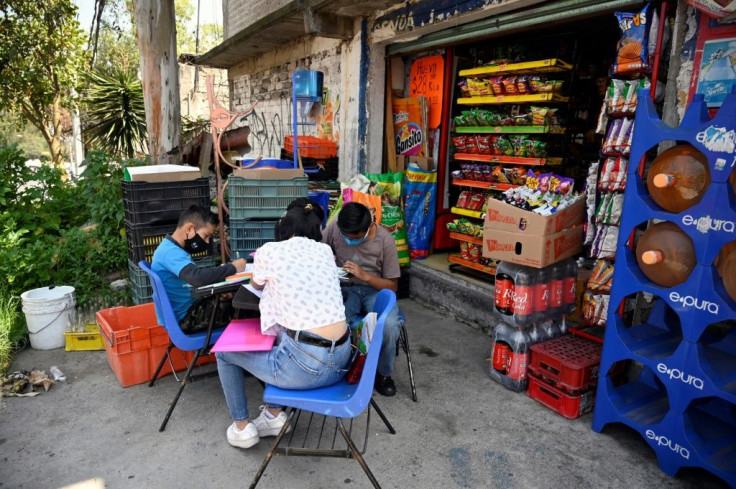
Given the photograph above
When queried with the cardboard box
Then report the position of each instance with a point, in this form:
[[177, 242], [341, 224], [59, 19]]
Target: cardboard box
[[402, 162], [505, 217], [161, 173], [530, 250], [269, 173]]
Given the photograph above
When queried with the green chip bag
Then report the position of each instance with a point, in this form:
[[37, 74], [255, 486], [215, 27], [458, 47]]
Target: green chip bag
[[388, 186]]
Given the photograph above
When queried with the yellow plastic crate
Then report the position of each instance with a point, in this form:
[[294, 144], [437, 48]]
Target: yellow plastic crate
[[89, 340]]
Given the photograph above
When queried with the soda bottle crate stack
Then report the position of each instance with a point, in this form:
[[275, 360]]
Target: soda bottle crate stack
[[682, 399], [255, 207]]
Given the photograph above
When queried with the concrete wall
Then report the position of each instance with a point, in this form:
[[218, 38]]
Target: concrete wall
[[267, 80], [239, 14], [194, 103]]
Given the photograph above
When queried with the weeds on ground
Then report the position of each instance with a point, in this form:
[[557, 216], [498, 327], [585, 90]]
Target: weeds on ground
[[12, 334]]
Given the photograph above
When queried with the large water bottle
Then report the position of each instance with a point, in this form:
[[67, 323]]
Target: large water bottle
[[665, 254], [726, 268], [678, 178]]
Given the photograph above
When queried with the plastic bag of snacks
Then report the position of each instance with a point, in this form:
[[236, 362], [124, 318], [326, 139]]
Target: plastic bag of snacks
[[632, 51], [420, 198], [388, 187]]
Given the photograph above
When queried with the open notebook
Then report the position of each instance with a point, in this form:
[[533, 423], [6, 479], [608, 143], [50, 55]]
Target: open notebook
[[244, 335]]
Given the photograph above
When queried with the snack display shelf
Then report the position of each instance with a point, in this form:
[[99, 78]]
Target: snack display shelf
[[528, 67], [512, 160], [513, 99], [470, 264], [510, 130], [465, 237], [467, 213], [479, 184]]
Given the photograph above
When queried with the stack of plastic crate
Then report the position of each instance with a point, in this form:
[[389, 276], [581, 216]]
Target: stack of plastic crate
[[563, 374], [256, 206], [681, 397], [151, 212]]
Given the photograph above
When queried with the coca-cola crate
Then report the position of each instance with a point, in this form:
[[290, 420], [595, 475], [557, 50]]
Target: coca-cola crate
[[568, 361], [148, 203], [562, 403], [539, 374]]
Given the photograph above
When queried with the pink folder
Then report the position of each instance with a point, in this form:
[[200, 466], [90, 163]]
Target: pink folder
[[244, 335]]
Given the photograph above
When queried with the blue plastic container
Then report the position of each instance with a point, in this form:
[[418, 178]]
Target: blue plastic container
[[322, 197], [308, 84], [267, 163]]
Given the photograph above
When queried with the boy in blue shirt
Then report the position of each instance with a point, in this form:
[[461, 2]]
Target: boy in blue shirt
[[173, 263]]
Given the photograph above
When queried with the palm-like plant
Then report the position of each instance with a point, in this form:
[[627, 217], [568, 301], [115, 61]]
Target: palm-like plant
[[115, 113]]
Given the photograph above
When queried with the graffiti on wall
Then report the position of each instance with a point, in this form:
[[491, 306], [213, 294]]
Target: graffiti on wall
[[428, 12], [328, 122], [269, 123]]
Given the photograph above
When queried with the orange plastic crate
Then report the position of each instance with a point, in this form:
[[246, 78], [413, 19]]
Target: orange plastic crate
[[135, 344], [311, 147]]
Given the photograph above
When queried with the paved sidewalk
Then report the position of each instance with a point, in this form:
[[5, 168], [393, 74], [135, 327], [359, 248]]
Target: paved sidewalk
[[465, 432]]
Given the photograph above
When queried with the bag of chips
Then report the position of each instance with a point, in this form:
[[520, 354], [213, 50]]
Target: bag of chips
[[632, 49]]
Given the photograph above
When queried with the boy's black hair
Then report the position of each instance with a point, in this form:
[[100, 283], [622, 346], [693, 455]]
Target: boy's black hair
[[198, 215], [300, 220], [354, 218]]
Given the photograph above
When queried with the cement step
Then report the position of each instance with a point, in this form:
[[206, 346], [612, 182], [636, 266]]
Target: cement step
[[469, 300]]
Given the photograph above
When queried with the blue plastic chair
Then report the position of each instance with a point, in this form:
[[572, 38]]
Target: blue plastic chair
[[200, 343], [340, 400]]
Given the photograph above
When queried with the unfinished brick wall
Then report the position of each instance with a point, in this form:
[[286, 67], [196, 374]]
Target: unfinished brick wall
[[239, 14], [271, 87]]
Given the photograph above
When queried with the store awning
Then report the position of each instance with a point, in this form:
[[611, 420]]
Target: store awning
[[547, 13], [325, 18]]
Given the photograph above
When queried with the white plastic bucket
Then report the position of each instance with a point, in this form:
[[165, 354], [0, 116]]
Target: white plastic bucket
[[47, 310]]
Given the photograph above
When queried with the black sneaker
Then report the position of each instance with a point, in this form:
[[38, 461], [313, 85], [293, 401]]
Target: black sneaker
[[385, 385]]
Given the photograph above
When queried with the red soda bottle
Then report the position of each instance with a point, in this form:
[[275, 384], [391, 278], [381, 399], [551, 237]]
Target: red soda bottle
[[504, 290], [523, 296], [557, 289], [541, 295], [570, 286]]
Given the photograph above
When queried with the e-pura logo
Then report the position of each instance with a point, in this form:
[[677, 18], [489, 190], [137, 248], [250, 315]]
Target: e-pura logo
[[663, 441], [677, 374], [409, 140]]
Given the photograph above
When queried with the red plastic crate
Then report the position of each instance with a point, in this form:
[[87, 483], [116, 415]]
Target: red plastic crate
[[568, 361], [311, 147], [564, 404], [135, 344]]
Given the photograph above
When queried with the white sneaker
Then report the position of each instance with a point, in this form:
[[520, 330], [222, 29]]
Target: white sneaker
[[245, 438], [270, 427]]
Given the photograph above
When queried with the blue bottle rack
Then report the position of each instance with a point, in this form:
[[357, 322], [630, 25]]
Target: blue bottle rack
[[306, 89], [683, 400]]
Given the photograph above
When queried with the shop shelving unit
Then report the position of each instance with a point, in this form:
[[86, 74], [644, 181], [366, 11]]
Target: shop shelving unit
[[682, 401], [551, 65]]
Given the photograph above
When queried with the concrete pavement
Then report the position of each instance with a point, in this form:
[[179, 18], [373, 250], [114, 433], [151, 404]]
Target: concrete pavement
[[465, 432]]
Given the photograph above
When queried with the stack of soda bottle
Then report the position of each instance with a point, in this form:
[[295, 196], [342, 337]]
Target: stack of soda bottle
[[532, 304]]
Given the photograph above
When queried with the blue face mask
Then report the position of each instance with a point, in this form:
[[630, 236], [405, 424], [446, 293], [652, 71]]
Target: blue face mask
[[355, 241]]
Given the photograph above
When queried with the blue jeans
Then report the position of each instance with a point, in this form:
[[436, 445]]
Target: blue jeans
[[359, 300], [289, 365]]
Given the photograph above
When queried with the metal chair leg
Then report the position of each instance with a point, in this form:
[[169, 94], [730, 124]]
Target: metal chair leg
[[161, 364], [182, 384], [405, 340], [356, 454], [271, 452], [383, 417]]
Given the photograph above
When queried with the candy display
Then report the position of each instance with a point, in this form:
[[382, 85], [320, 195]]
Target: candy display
[[496, 174], [476, 117], [463, 226], [520, 145], [543, 194]]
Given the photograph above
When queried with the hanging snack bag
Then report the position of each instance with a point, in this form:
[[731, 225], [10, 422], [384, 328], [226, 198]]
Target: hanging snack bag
[[632, 49], [509, 85], [388, 187], [409, 131], [460, 143], [497, 86], [523, 85], [420, 201]]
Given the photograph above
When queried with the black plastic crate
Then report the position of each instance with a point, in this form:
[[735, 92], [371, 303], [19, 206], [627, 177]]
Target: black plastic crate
[[149, 203], [140, 282], [247, 235], [317, 169], [144, 239]]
